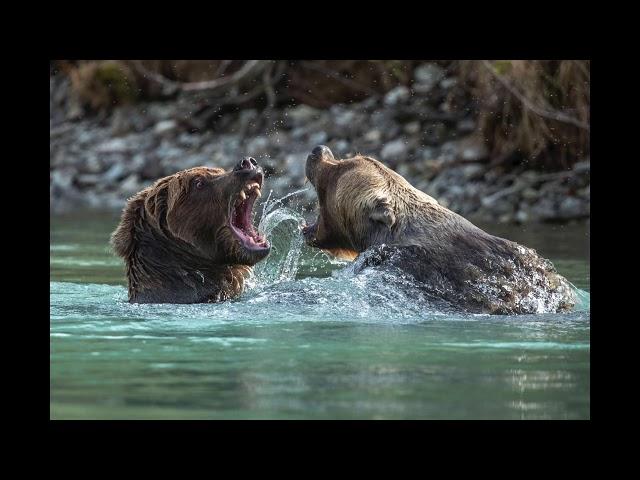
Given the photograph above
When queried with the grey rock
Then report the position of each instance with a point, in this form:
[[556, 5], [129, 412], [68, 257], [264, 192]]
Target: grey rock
[[448, 153], [429, 153], [572, 207], [318, 138], [115, 145], [395, 150], [130, 185], [88, 179], [62, 178], [116, 172], [448, 82], [302, 114], [505, 218], [426, 77], [582, 167], [158, 111], [397, 95], [470, 149], [474, 153], [258, 146], [341, 147], [165, 127], [455, 191], [373, 136], [529, 176], [91, 164], [368, 103], [189, 141], [545, 209], [391, 131], [299, 132], [412, 128], [529, 194], [466, 125], [472, 170], [344, 118], [522, 216], [86, 137], [379, 118]]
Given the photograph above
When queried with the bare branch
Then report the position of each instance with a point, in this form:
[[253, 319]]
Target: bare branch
[[247, 71], [551, 114], [268, 87], [222, 68], [169, 85]]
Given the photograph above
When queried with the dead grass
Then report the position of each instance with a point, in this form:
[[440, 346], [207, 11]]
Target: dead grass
[[103, 84], [535, 111]]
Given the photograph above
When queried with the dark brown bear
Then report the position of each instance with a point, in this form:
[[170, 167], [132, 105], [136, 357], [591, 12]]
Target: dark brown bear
[[189, 237], [368, 210]]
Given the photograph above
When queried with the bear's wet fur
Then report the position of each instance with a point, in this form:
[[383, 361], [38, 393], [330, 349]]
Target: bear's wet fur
[[188, 238], [368, 211]]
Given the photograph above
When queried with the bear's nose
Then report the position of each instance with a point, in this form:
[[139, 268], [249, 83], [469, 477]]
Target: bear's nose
[[321, 151], [247, 163]]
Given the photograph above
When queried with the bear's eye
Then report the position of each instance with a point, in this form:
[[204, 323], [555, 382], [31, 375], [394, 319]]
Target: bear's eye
[[198, 183]]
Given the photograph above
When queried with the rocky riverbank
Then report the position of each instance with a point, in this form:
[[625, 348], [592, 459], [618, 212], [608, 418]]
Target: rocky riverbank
[[426, 133]]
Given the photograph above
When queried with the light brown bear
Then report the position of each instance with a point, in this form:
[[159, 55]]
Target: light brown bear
[[368, 210], [189, 237]]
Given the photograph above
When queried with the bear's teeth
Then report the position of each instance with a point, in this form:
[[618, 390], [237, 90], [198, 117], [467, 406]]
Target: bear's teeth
[[243, 196]]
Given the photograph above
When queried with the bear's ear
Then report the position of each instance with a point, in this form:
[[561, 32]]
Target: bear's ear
[[383, 212], [161, 198], [155, 201], [122, 239]]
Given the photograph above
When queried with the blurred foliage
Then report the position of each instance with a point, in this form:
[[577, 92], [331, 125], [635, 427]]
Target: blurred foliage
[[104, 84]]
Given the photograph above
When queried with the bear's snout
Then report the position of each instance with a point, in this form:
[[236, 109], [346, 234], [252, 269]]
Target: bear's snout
[[319, 154], [322, 152], [247, 163], [249, 170]]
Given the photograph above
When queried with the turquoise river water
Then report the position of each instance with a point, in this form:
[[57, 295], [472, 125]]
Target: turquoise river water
[[307, 340]]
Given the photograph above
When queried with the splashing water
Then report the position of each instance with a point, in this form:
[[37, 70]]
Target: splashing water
[[282, 227], [268, 205]]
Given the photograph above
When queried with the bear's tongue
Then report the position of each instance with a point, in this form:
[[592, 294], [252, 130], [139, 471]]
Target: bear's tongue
[[241, 222]]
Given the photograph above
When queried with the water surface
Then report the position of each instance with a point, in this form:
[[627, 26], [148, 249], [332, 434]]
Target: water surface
[[307, 340]]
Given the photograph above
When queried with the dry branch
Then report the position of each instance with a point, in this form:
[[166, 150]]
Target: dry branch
[[550, 114]]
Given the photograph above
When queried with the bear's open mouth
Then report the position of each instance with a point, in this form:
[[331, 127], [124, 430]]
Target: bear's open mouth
[[240, 217]]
